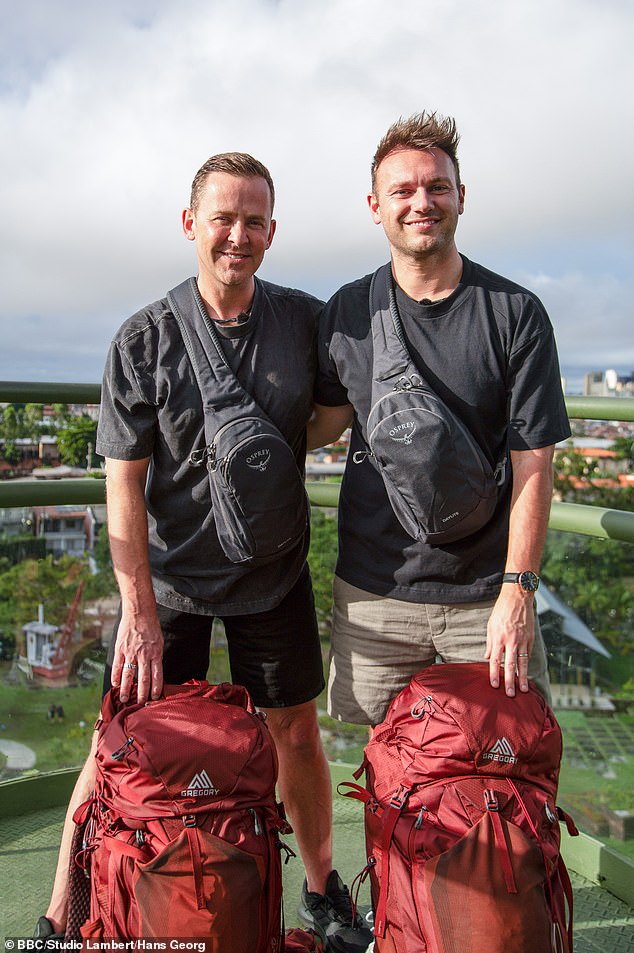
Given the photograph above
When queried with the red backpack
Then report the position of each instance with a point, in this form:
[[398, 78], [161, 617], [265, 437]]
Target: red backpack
[[182, 839], [462, 828]]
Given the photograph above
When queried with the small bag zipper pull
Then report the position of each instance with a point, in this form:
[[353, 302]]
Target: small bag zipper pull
[[120, 753]]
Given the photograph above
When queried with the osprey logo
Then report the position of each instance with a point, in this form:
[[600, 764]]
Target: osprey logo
[[502, 752], [259, 460], [200, 785], [404, 433]]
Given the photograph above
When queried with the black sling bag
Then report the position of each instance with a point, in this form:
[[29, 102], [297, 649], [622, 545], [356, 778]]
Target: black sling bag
[[258, 498], [439, 482]]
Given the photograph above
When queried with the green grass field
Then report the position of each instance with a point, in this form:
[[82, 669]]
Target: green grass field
[[57, 744]]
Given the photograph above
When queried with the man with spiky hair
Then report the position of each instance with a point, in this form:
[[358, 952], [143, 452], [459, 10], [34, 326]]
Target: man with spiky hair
[[486, 347]]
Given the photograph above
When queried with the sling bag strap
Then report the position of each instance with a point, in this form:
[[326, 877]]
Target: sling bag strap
[[438, 479], [391, 358], [219, 387], [257, 494], [390, 355]]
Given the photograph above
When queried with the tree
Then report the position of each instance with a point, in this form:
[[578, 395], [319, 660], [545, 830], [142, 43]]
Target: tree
[[11, 423], [322, 558], [60, 414], [588, 574], [33, 582], [32, 421], [573, 468], [76, 442], [624, 449], [10, 452], [103, 582]]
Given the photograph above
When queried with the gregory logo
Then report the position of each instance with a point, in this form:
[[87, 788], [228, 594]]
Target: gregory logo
[[259, 460], [501, 751], [404, 433], [200, 786]]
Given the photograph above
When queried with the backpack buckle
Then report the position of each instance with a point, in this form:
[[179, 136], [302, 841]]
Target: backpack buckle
[[197, 458], [408, 383], [499, 474], [399, 797], [205, 457], [189, 820], [491, 801], [422, 707]]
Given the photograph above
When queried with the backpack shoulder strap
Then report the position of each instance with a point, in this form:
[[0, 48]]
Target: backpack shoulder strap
[[390, 354], [219, 387]]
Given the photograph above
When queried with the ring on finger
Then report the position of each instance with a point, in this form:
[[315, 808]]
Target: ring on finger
[[131, 665], [523, 655]]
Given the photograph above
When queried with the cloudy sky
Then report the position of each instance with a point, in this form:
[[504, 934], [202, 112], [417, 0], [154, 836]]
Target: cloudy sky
[[108, 108]]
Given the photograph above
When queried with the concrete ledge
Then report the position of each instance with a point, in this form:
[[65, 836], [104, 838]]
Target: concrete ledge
[[37, 792], [599, 864]]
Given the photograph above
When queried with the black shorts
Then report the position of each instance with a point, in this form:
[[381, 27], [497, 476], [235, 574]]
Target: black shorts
[[275, 654]]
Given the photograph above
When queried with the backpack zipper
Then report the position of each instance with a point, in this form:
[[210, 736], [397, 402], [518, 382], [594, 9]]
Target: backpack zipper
[[120, 753]]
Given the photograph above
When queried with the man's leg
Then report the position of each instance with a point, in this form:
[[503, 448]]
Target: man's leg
[[57, 912], [304, 786], [378, 644], [276, 655]]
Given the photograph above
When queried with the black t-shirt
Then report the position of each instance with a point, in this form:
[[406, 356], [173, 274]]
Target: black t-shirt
[[488, 350], [151, 407]]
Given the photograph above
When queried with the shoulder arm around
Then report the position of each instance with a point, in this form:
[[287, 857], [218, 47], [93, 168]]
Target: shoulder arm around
[[327, 424]]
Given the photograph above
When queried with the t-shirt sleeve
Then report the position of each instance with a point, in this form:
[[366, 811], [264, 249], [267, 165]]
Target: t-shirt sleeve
[[127, 417], [328, 390], [537, 410]]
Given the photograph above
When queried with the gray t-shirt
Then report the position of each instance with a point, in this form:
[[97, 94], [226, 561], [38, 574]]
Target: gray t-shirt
[[151, 407], [488, 351]]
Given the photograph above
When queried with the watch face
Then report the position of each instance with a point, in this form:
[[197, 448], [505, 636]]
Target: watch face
[[529, 581]]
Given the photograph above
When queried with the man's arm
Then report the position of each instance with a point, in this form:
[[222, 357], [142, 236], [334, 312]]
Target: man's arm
[[327, 424], [511, 629], [139, 637]]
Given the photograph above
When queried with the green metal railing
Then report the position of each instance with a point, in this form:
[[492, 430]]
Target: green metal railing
[[570, 517]]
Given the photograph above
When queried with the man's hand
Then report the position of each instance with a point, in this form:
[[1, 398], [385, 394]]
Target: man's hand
[[138, 656], [139, 645], [511, 628], [510, 638]]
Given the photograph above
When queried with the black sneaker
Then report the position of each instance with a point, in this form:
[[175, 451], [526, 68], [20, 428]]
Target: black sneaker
[[330, 917], [44, 931]]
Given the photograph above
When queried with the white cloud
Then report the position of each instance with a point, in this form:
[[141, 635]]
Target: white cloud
[[594, 312], [108, 109]]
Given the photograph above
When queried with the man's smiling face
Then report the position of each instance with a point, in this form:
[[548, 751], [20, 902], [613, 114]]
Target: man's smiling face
[[232, 228], [417, 200]]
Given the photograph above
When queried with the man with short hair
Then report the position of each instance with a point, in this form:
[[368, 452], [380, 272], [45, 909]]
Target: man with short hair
[[486, 347], [173, 575]]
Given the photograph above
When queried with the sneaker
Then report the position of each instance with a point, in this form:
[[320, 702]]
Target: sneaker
[[44, 932], [330, 917]]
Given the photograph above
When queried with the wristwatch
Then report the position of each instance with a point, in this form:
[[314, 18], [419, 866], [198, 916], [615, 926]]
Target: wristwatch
[[526, 580]]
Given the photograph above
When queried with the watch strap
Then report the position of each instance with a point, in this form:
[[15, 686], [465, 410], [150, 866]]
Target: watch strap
[[528, 584]]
